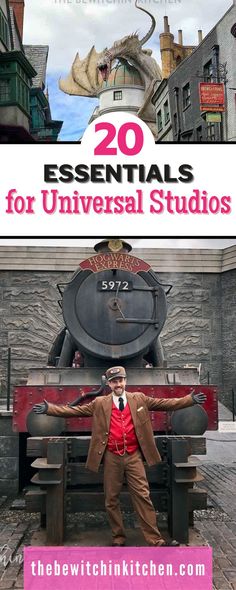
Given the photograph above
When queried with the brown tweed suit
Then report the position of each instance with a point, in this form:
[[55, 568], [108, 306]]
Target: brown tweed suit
[[116, 466]]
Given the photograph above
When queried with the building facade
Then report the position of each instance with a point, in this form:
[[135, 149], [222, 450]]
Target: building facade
[[16, 74], [212, 61], [172, 53], [22, 82], [161, 102], [42, 126]]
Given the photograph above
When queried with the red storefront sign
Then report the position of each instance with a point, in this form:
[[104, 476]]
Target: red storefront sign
[[212, 97]]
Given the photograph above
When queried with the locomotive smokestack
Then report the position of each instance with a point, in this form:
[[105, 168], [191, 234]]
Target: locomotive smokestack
[[112, 245]]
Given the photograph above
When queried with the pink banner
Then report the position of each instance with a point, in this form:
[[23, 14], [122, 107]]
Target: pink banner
[[125, 568]]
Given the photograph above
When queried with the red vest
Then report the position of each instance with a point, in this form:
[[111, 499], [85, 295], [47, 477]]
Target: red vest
[[122, 437]]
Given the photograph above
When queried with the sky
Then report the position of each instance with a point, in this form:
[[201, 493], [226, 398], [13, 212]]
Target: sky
[[68, 26], [202, 243]]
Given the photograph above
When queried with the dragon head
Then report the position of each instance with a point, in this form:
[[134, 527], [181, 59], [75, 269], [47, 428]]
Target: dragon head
[[104, 64], [121, 49]]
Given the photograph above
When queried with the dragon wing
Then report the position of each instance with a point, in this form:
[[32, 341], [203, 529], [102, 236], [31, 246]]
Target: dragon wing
[[86, 73], [84, 78], [69, 86]]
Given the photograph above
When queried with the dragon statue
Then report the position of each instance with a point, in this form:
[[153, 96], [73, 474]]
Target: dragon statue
[[87, 75]]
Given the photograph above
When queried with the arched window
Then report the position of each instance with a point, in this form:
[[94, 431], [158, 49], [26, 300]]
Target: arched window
[[178, 60]]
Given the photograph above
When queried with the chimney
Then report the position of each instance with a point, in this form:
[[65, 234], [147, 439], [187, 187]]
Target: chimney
[[200, 37], [166, 25], [18, 7], [180, 37]]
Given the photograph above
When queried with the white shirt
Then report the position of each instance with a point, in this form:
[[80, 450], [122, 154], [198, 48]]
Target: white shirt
[[116, 399]]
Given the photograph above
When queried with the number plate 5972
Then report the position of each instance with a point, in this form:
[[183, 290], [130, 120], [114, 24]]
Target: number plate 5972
[[115, 286]]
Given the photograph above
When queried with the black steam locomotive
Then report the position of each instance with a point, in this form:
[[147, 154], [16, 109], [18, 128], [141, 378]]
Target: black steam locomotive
[[114, 308]]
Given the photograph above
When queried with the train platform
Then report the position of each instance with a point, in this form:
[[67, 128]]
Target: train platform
[[215, 526]]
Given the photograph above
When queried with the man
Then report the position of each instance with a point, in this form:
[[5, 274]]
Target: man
[[121, 434]]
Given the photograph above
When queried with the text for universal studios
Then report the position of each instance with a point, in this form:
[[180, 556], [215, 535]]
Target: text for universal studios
[[151, 189]]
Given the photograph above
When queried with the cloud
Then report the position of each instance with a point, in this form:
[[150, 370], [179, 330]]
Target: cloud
[[72, 25], [68, 26]]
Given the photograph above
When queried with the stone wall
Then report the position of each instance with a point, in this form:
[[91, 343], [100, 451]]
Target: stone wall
[[30, 318], [228, 314], [192, 333]]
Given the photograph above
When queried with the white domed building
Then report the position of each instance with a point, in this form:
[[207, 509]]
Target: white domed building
[[122, 91]]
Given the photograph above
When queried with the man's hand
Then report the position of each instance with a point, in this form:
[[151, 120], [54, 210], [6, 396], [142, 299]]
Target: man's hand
[[198, 398], [41, 408]]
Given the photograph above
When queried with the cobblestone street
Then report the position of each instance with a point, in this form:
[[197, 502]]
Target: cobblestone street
[[215, 526], [220, 532]]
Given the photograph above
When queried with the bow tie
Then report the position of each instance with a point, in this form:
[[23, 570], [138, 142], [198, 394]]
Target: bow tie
[[121, 403]]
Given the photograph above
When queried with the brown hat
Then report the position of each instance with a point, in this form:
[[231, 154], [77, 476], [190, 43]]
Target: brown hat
[[115, 372]]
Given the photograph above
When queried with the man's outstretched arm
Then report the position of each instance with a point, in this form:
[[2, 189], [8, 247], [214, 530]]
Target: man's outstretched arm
[[176, 403], [64, 411]]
